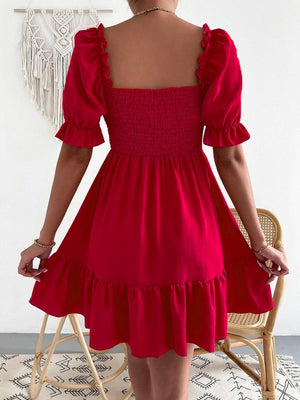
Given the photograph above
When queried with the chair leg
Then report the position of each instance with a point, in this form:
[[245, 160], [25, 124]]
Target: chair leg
[[32, 392], [268, 387], [35, 388], [80, 337]]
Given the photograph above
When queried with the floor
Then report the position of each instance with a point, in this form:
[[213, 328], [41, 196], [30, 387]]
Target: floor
[[25, 343]]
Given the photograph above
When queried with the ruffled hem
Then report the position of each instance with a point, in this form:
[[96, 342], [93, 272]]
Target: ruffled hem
[[152, 319], [80, 136], [226, 136]]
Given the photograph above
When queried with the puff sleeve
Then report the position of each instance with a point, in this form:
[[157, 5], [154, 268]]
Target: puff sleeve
[[221, 107], [82, 100]]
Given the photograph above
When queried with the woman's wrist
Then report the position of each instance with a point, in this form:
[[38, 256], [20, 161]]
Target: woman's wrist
[[258, 242], [46, 237]]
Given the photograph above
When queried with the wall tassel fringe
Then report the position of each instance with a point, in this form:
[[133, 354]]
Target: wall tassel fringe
[[45, 64]]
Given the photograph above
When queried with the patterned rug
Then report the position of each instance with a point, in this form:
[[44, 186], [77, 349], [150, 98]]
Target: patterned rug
[[213, 376]]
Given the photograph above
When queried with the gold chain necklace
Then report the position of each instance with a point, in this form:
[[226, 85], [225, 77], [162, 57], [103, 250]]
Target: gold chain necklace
[[154, 8]]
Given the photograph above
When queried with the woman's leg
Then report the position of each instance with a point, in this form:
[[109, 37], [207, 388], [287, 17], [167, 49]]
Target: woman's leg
[[139, 373], [161, 378], [170, 375]]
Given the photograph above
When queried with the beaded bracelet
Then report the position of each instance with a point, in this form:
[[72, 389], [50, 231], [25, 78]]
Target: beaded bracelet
[[260, 250], [44, 245]]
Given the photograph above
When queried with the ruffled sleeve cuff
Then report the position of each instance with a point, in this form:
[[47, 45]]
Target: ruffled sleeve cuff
[[80, 136], [226, 136]]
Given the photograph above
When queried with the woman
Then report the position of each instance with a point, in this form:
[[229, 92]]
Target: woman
[[154, 257]]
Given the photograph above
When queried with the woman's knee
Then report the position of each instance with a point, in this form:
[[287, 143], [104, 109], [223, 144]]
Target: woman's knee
[[170, 374], [139, 374]]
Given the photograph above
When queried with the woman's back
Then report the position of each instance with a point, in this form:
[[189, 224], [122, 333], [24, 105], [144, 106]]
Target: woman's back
[[154, 52]]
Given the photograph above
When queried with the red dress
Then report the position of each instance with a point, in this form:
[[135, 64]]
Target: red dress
[[154, 257]]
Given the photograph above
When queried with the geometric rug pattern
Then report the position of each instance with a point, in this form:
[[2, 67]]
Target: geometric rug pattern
[[213, 376]]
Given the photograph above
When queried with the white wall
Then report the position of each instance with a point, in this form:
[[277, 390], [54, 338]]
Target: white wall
[[267, 38]]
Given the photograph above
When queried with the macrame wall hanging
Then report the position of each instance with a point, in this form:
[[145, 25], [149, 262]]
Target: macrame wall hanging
[[46, 48]]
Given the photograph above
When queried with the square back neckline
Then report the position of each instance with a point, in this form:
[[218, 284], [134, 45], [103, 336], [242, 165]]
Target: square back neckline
[[169, 88]]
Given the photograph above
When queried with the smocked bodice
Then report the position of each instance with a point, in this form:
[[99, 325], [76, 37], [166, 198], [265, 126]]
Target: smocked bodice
[[154, 121]]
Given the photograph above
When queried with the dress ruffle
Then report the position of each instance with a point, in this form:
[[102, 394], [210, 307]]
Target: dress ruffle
[[91, 45], [80, 136], [215, 44], [83, 95], [135, 314], [221, 81], [203, 58], [103, 56], [225, 136]]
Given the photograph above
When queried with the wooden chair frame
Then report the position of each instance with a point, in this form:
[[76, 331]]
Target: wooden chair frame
[[243, 330], [35, 388], [251, 329]]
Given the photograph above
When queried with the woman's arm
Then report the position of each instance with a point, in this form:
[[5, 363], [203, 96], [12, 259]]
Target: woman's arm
[[70, 168], [233, 171]]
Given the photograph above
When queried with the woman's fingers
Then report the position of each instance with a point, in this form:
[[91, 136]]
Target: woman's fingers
[[264, 267], [42, 262], [33, 272], [279, 267], [280, 261], [273, 271], [39, 271], [275, 259], [25, 268], [269, 280]]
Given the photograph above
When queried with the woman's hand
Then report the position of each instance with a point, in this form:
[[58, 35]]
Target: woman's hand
[[278, 260], [25, 267]]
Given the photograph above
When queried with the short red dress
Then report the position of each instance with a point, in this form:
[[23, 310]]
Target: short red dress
[[154, 257]]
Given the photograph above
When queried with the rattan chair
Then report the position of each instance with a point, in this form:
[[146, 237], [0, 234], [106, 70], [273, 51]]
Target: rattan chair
[[35, 388], [251, 329]]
